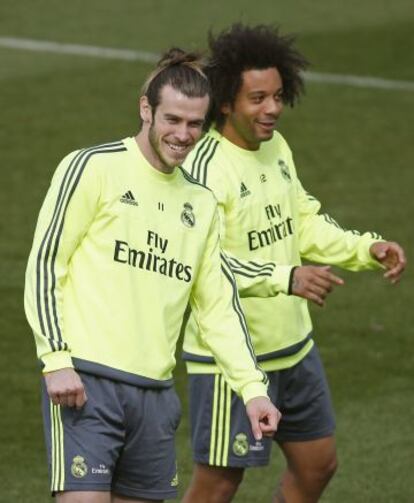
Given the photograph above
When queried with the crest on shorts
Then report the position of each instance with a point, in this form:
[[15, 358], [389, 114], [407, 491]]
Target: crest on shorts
[[187, 216], [240, 445], [79, 468], [174, 481], [284, 169]]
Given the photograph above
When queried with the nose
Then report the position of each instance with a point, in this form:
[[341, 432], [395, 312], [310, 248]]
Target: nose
[[274, 106], [182, 133]]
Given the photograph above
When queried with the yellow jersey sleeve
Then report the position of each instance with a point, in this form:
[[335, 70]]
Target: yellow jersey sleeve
[[222, 326], [323, 240], [63, 221]]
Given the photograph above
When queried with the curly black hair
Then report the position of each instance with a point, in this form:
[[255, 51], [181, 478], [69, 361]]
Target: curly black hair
[[242, 48]]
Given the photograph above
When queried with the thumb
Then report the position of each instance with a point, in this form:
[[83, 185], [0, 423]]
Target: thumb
[[81, 398], [380, 250]]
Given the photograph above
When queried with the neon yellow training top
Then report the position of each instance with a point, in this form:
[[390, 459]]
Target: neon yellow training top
[[119, 250], [268, 223]]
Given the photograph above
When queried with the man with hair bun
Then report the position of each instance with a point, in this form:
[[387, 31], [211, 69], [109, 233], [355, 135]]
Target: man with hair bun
[[268, 224], [124, 241]]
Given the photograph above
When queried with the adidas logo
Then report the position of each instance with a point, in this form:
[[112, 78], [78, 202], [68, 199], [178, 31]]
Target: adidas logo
[[128, 198], [244, 191]]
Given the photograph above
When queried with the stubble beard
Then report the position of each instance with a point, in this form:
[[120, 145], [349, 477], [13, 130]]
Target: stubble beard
[[156, 148]]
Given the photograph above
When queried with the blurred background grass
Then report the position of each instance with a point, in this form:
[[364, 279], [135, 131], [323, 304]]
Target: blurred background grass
[[353, 148]]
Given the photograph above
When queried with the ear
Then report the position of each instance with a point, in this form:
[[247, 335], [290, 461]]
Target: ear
[[145, 110]]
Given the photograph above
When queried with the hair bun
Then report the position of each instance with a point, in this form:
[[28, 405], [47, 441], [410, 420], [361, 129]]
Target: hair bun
[[177, 67], [176, 56]]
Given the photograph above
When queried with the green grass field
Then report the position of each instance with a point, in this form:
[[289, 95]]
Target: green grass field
[[354, 150]]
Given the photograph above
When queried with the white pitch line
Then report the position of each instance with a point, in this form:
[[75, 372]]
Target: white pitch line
[[78, 50], [151, 57], [359, 81]]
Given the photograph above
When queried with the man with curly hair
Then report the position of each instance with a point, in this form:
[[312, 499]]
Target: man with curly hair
[[268, 224]]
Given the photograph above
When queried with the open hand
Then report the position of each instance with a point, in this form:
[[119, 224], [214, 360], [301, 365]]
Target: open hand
[[314, 282]]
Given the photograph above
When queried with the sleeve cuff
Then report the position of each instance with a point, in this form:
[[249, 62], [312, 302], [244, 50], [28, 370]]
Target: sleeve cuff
[[56, 360], [281, 277], [253, 390], [367, 259]]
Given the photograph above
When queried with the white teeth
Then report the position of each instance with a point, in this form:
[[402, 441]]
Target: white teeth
[[177, 148]]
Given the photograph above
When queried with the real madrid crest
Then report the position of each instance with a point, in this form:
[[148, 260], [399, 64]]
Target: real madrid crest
[[284, 169], [240, 445], [187, 216], [79, 468], [174, 481]]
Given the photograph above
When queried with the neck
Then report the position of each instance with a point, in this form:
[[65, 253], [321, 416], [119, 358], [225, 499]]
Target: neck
[[150, 154], [230, 133]]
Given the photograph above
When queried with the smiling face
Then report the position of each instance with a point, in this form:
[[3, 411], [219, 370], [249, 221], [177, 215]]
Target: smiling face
[[171, 132], [252, 118]]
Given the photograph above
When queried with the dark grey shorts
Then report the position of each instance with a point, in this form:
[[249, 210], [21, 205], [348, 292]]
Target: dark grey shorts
[[122, 440], [220, 430]]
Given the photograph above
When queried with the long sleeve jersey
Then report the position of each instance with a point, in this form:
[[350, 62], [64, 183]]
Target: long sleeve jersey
[[119, 250], [268, 224]]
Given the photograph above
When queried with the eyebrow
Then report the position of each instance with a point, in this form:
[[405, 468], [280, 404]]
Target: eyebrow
[[198, 120]]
